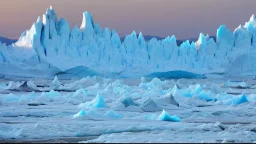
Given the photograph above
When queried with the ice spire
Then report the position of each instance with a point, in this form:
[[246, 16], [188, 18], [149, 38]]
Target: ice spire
[[224, 36], [201, 41], [252, 18], [141, 39], [87, 24]]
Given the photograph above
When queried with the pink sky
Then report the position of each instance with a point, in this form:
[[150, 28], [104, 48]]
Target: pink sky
[[182, 18]]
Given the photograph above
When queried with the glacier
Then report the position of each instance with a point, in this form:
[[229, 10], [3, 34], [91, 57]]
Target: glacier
[[50, 47]]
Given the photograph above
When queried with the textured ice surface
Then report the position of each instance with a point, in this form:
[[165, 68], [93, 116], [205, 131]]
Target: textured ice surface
[[54, 114]]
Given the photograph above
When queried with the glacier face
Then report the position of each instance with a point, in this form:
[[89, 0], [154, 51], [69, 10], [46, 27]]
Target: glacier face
[[51, 47]]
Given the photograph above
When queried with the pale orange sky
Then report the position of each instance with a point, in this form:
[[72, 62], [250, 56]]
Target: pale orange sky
[[182, 18]]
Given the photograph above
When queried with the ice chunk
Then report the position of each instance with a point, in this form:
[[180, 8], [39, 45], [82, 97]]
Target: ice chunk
[[127, 101], [97, 102], [10, 98], [78, 97], [93, 113], [206, 95], [3, 86], [80, 94], [28, 97], [32, 85], [168, 99], [81, 113], [14, 85], [82, 83], [166, 117], [49, 96], [113, 114], [150, 106], [235, 84], [237, 100], [90, 114], [27, 87], [55, 84]]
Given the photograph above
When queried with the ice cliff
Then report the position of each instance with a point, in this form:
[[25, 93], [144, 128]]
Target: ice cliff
[[50, 47]]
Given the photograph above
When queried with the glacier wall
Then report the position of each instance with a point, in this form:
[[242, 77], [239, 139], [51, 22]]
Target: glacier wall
[[51, 47]]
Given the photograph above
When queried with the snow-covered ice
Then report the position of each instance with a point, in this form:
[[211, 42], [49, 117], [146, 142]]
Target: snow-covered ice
[[184, 110]]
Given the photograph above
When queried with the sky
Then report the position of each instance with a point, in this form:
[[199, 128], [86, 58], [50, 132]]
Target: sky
[[183, 18]]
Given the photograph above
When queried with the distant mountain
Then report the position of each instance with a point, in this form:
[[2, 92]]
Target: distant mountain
[[179, 42], [8, 41]]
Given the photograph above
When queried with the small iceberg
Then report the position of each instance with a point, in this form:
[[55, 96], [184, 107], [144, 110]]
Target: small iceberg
[[49, 96], [206, 95], [235, 84], [82, 113], [80, 94], [150, 106], [10, 98], [113, 114], [32, 85], [237, 100], [166, 117], [55, 84], [127, 101], [97, 102], [168, 99], [14, 85], [83, 83]]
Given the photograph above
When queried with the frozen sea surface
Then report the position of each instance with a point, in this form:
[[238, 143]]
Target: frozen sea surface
[[96, 109]]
